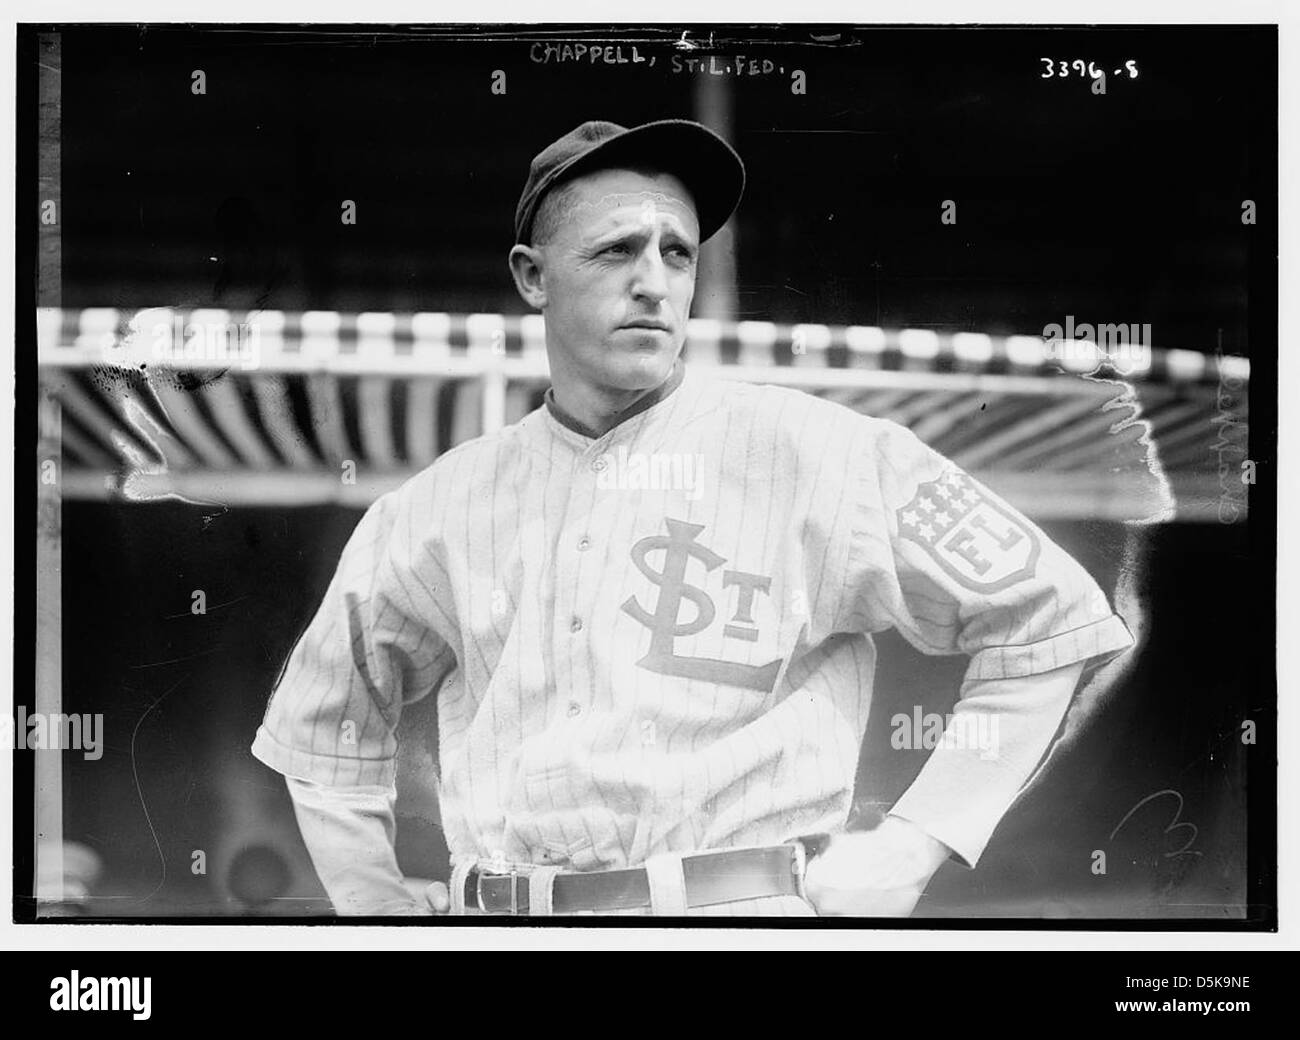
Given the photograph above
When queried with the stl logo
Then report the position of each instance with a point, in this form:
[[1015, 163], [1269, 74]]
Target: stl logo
[[973, 539], [679, 547]]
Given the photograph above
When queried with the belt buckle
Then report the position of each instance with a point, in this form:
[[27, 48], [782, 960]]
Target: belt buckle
[[512, 874], [799, 867], [806, 847]]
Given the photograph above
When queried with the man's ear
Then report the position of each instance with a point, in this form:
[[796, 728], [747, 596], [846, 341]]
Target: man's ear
[[526, 266]]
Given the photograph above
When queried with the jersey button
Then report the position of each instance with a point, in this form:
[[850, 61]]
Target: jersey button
[[599, 464], [575, 625], [584, 544], [575, 709]]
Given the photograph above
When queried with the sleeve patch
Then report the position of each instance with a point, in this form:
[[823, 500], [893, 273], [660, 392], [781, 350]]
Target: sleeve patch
[[974, 540]]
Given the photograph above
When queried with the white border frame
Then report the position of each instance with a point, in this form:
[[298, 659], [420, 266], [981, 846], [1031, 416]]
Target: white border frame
[[1070, 12]]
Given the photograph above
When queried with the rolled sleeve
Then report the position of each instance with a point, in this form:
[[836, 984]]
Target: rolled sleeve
[[333, 770], [370, 648], [1094, 643]]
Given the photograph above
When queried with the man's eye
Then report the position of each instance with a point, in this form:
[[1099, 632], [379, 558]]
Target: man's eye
[[681, 253], [617, 249]]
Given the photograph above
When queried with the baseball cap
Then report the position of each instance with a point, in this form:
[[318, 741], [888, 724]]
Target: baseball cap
[[706, 164]]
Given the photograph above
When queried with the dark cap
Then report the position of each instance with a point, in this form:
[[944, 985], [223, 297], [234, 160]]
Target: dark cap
[[706, 164]]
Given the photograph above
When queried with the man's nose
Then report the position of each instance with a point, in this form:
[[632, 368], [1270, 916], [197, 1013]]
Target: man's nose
[[650, 279]]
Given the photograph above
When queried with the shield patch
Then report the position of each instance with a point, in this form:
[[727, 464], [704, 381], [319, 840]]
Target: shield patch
[[976, 541]]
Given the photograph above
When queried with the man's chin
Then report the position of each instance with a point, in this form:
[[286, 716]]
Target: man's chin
[[642, 370]]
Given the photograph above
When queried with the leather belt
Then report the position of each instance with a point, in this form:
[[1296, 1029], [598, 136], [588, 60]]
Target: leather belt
[[711, 878]]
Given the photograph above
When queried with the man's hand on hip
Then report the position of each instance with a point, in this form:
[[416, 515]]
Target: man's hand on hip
[[877, 873], [438, 897]]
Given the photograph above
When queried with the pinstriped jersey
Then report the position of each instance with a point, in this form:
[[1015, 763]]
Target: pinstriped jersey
[[659, 639]]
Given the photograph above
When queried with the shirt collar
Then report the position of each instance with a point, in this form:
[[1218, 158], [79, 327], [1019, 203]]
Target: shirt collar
[[649, 400]]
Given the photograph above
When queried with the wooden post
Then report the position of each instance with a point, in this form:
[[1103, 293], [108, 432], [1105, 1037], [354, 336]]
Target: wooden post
[[715, 285]]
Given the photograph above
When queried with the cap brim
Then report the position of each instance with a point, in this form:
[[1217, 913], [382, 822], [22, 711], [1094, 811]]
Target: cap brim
[[709, 167]]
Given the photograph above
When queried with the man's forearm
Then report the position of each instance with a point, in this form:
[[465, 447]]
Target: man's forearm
[[1000, 730], [349, 833]]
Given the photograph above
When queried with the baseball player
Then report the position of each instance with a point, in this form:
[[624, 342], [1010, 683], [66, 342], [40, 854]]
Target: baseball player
[[645, 610]]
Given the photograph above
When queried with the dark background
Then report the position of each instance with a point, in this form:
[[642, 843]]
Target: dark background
[[1118, 208], [1122, 208]]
